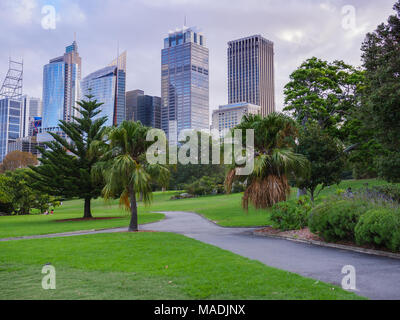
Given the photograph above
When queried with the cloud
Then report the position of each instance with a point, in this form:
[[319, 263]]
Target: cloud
[[299, 29], [19, 12]]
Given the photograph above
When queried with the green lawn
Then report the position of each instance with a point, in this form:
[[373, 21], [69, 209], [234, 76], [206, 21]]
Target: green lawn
[[14, 226], [225, 210], [146, 266]]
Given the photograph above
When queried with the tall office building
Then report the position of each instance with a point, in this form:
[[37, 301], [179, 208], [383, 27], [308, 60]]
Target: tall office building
[[11, 106], [131, 104], [31, 112], [107, 86], [184, 83], [61, 88], [10, 124], [251, 72], [143, 108], [149, 111]]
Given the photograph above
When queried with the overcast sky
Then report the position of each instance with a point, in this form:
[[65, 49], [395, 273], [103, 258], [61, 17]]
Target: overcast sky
[[300, 29]]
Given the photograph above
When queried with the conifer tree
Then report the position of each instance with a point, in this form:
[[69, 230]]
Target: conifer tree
[[67, 161]]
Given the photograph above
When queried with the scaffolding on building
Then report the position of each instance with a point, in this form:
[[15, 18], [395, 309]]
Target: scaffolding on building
[[12, 85]]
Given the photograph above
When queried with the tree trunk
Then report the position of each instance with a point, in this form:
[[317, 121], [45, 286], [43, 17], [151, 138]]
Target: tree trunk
[[133, 225], [312, 195], [88, 213]]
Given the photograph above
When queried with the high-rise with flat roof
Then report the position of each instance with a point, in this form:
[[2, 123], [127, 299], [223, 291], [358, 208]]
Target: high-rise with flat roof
[[10, 124], [61, 88], [149, 111], [229, 116], [184, 82], [131, 104], [107, 86], [31, 111], [251, 72]]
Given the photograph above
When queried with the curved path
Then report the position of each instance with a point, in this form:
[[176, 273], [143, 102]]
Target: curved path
[[376, 277]]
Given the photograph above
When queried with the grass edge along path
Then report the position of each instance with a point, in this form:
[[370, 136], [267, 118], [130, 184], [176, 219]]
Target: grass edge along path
[[147, 266]]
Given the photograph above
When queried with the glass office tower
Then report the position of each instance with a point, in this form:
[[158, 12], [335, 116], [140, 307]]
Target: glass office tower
[[107, 86], [10, 124], [251, 72], [184, 83], [149, 111], [31, 110], [61, 88]]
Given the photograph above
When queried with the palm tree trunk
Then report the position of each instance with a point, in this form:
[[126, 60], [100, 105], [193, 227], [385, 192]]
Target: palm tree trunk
[[87, 212], [133, 225]]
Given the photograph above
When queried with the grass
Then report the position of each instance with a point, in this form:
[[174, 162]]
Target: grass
[[14, 226], [224, 210], [146, 266]]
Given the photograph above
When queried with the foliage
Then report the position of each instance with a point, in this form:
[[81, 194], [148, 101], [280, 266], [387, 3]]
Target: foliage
[[17, 160], [381, 60], [66, 165], [18, 196], [6, 206], [182, 175], [335, 220], [391, 191], [379, 227], [388, 165], [275, 161], [324, 93], [205, 186], [20, 190], [292, 214], [326, 158], [125, 170]]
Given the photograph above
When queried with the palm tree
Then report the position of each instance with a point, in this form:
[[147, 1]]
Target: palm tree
[[125, 170], [274, 160]]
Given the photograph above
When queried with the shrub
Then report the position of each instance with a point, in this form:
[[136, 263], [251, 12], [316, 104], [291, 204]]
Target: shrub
[[391, 191], [336, 220], [291, 215], [379, 227], [205, 186]]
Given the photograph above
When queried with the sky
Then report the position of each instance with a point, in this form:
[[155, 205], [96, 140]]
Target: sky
[[300, 29]]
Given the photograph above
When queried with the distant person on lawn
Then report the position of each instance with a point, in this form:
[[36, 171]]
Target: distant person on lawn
[[52, 211]]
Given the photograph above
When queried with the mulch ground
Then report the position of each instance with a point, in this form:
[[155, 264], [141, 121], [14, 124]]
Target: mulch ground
[[304, 234]]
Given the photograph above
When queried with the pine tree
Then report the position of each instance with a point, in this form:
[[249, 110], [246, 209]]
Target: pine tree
[[381, 60], [67, 162]]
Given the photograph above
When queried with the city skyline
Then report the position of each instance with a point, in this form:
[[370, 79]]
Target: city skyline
[[294, 35]]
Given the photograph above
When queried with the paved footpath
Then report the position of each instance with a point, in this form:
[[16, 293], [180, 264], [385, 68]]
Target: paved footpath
[[376, 277]]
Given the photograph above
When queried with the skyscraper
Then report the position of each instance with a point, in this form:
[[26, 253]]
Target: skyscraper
[[251, 72], [107, 86], [131, 104], [61, 88], [31, 111], [149, 111], [10, 124], [184, 83], [10, 106]]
